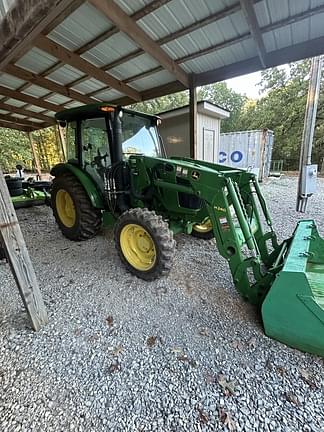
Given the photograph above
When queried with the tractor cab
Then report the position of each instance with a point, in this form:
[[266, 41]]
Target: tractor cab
[[100, 135]]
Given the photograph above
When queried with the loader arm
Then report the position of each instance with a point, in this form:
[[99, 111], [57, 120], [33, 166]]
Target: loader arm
[[231, 199]]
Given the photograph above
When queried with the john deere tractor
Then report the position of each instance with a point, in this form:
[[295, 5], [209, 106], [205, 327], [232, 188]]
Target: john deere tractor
[[117, 174]]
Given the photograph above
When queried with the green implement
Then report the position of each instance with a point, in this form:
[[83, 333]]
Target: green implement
[[293, 310], [117, 174]]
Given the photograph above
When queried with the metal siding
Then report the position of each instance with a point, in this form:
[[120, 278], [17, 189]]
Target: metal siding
[[15, 102], [246, 145], [88, 86], [83, 25], [136, 66], [58, 99], [115, 47], [108, 95], [219, 58], [212, 34], [153, 80], [36, 61], [65, 75], [36, 91], [10, 81]]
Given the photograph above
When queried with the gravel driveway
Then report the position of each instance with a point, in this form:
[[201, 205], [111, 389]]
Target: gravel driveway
[[179, 354]]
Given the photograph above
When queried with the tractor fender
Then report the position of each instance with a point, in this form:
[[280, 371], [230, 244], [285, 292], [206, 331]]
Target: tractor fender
[[89, 186]]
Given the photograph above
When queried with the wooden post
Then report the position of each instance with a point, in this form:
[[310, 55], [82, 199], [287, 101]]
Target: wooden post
[[35, 156], [16, 252], [63, 141], [193, 117]]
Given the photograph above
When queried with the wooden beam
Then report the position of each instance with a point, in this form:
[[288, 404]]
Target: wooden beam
[[31, 100], [296, 52], [179, 33], [17, 110], [25, 21], [17, 254], [22, 122], [46, 83], [222, 45], [35, 155], [250, 16], [10, 125], [193, 118], [58, 51], [147, 9], [127, 25]]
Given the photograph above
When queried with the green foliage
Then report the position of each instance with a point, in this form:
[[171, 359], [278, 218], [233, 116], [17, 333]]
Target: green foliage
[[15, 148], [220, 94], [282, 109]]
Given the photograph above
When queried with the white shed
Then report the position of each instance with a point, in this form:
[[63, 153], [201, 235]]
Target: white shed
[[174, 131]]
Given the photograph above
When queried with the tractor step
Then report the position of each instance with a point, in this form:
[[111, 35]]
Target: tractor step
[[293, 309]]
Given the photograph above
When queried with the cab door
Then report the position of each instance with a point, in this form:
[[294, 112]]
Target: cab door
[[95, 148]]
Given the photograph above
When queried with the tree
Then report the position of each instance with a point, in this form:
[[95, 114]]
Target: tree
[[220, 94], [282, 109]]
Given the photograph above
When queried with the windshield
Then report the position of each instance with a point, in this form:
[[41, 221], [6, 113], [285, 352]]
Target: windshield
[[139, 136]]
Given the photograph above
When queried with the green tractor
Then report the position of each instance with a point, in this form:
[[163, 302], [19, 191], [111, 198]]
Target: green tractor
[[117, 174]]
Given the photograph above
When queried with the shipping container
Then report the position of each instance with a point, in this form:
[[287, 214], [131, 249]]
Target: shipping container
[[250, 150]]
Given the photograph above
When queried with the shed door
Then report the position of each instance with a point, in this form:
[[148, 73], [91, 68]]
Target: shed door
[[208, 145]]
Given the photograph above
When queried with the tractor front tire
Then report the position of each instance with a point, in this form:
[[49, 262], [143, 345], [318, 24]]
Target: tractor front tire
[[203, 230], [144, 243], [72, 209]]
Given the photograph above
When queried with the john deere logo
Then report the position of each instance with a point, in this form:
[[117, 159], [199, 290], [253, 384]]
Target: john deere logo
[[195, 175]]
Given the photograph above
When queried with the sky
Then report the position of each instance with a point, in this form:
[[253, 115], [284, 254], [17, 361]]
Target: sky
[[246, 84]]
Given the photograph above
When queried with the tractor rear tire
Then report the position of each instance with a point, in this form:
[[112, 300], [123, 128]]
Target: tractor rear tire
[[72, 209], [144, 243]]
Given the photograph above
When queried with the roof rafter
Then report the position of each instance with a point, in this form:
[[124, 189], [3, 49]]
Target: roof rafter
[[275, 58], [147, 9], [46, 83], [11, 125], [69, 57], [26, 20], [22, 122], [30, 100], [179, 33], [22, 111], [127, 25], [225, 44], [250, 16]]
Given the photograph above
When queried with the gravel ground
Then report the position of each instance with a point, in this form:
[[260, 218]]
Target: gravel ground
[[179, 354]]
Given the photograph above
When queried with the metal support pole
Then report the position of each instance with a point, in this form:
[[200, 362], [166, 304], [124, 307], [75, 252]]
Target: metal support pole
[[35, 156], [308, 132], [193, 117]]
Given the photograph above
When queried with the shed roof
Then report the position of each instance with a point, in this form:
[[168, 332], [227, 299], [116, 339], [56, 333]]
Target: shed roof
[[58, 54], [204, 107]]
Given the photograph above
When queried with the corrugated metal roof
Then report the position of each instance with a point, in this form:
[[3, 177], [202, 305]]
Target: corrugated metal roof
[[219, 43], [81, 26]]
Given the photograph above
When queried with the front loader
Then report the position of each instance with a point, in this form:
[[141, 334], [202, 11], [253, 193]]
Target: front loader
[[117, 175]]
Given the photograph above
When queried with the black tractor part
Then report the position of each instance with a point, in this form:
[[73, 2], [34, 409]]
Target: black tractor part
[[14, 186]]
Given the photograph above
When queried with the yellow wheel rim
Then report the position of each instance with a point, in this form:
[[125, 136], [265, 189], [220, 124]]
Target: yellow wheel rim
[[65, 208], [203, 227], [138, 247]]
